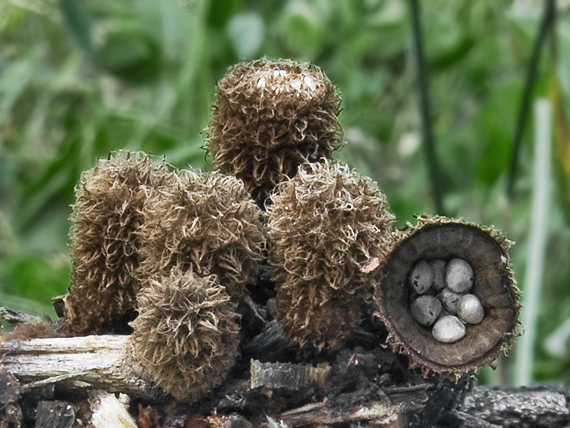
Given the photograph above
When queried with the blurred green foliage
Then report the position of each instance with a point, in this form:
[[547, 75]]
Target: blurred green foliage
[[79, 79]]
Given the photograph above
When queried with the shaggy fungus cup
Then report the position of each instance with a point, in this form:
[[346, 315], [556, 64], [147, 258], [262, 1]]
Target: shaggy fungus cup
[[464, 325], [207, 224], [269, 118], [329, 228], [187, 334], [105, 241]]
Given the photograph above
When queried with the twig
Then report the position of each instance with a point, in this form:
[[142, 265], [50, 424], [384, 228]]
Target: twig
[[102, 362], [318, 414]]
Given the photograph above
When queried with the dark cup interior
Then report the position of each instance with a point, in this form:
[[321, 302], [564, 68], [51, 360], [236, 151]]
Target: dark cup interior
[[492, 285]]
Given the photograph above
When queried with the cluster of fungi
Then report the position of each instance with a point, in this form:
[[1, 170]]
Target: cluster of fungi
[[168, 256]]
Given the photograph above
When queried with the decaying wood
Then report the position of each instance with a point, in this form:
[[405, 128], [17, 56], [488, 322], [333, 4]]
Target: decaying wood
[[11, 416], [270, 344], [319, 414], [459, 419], [293, 377], [55, 414], [109, 412], [9, 388], [16, 317], [538, 406], [483, 407], [357, 386], [100, 362]]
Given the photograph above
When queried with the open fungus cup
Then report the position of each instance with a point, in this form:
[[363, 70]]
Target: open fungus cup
[[486, 251]]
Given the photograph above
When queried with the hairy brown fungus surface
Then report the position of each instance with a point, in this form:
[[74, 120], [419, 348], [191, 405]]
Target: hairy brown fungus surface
[[269, 118], [328, 228], [186, 334], [205, 224], [467, 335], [105, 244]]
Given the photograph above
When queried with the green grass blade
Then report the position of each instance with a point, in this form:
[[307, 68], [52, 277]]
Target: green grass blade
[[537, 241], [27, 306], [77, 19]]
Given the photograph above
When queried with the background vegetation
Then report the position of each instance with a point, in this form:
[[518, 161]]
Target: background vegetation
[[79, 79]]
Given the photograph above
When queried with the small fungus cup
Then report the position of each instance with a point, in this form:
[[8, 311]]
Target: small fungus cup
[[433, 348]]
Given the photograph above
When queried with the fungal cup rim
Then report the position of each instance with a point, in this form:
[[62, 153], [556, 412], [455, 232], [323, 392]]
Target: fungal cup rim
[[495, 287]]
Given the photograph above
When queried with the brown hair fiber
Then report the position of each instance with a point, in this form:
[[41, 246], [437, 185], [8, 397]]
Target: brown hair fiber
[[208, 225], [105, 243], [186, 334], [328, 229], [270, 117], [27, 331]]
